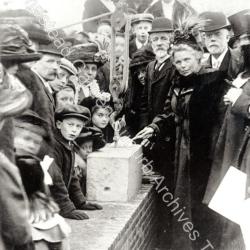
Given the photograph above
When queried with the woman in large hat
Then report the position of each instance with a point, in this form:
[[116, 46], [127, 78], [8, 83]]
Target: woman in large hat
[[87, 59], [191, 106], [14, 50]]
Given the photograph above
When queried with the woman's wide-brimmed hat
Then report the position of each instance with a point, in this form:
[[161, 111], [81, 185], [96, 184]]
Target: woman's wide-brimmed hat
[[87, 53], [15, 45], [141, 57]]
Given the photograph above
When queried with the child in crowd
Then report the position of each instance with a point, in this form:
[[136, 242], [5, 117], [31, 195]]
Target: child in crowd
[[100, 117], [89, 140], [70, 121], [65, 95], [65, 72], [104, 28], [49, 230]]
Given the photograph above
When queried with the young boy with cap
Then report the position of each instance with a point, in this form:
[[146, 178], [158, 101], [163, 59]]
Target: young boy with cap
[[70, 120], [65, 95], [141, 24], [89, 140]]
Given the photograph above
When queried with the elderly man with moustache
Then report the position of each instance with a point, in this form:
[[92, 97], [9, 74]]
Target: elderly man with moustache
[[216, 37], [158, 81]]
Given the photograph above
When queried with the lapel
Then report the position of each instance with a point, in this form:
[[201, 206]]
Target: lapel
[[225, 62], [162, 72], [180, 92], [49, 95], [207, 63]]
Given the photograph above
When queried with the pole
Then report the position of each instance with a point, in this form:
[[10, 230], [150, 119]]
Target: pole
[[84, 21]]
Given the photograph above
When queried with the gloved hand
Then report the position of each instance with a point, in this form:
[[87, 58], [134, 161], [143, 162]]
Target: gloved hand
[[90, 206], [76, 215]]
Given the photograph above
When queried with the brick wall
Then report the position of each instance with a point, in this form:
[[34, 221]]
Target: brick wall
[[119, 226], [140, 231]]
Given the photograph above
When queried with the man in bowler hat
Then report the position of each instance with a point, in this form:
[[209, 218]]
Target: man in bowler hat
[[158, 81]]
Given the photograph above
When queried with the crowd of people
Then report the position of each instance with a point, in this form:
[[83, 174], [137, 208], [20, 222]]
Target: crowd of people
[[187, 102]]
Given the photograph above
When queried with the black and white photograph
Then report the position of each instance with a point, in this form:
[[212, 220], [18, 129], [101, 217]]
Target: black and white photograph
[[124, 125]]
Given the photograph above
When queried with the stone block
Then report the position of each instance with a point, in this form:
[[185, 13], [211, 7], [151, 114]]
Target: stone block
[[114, 174]]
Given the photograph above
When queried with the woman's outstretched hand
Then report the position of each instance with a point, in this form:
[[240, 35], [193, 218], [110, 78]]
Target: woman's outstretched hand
[[144, 135]]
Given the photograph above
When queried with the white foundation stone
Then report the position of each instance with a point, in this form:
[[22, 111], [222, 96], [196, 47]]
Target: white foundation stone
[[114, 174]]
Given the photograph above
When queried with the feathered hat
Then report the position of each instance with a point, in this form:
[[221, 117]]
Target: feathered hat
[[188, 27]]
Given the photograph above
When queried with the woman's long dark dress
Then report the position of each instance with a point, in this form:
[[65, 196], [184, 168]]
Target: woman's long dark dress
[[193, 105]]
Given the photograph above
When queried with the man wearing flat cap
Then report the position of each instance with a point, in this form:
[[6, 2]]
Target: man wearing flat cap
[[65, 72], [141, 25]]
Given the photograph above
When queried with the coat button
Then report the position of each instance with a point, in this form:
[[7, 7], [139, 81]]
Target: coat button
[[167, 139]]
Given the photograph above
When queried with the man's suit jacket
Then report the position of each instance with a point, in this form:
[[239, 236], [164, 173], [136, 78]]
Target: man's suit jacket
[[156, 89], [49, 100], [231, 66], [232, 63]]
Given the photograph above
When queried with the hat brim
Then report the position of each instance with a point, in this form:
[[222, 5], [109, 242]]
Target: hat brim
[[215, 28], [21, 58], [73, 115], [51, 52], [160, 30], [68, 69], [139, 64], [141, 20], [16, 103], [35, 36]]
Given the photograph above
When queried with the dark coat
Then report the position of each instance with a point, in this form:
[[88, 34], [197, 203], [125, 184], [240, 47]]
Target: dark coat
[[7, 140], [43, 102], [71, 196], [157, 85], [132, 47], [103, 77], [94, 8], [179, 10], [232, 149], [192, 106], [14, 226], [231, 65], [231, 140], [141, 7], [49, 99]]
